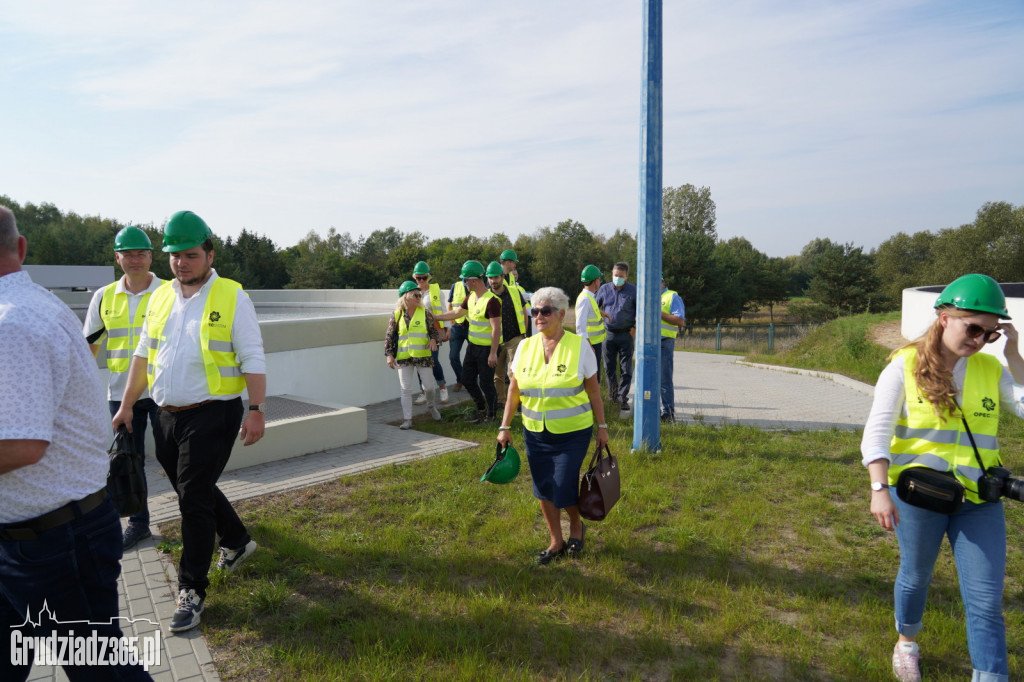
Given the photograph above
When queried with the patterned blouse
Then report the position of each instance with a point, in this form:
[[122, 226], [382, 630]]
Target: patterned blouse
[[391, 340]]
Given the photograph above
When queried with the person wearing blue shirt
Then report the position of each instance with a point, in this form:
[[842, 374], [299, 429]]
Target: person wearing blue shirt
[[617, 301], [673, 316]]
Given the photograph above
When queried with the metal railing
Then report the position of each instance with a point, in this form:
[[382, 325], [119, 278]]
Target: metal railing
[[742, 337]]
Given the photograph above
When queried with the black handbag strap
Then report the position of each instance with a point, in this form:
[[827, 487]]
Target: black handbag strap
[[596, 457], [977, 455]]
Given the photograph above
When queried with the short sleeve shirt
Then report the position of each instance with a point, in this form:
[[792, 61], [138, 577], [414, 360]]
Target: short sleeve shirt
[[49, 390]]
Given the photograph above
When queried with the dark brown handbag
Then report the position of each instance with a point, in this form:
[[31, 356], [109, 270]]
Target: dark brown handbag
[[599, 489]]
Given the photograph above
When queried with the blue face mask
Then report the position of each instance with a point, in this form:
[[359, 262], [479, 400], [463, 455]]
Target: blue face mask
[[618, 281]]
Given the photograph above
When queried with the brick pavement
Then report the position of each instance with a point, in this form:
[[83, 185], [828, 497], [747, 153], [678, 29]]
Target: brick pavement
[[713, 389]]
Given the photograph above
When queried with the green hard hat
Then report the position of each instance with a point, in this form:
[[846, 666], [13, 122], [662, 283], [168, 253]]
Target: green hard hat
[[505, 467], [590, 273], [184, 231], [494, 269], [132, 238], [509, 254], [421, 268], [407, 286], [975, 292], [472, 268]]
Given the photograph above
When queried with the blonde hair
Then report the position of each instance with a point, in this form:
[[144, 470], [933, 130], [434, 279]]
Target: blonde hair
[[400, 303], [934, 381]]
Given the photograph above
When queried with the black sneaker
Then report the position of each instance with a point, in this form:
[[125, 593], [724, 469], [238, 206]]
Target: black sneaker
[[624, 406], [133, 534], [476, 417], [231, 558], [186, 616], [667, 419]]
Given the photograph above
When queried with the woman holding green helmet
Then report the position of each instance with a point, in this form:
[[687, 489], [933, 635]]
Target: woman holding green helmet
[[408, 343], [936, 407], [555, 374]]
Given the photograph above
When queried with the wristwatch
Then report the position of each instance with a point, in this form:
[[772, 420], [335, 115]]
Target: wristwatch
[[261, 408], [878, 485]]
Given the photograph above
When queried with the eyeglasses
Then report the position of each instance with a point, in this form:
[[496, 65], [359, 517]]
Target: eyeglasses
[[975, 330], [417, 295], [421, 278], [545, 311]]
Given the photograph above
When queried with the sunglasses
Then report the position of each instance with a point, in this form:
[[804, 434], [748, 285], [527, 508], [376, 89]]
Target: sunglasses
[[976, 330], [545, 311], [421, 278], [417, 295]]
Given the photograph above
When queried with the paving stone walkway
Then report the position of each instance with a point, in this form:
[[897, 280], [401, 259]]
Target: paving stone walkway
[[715, 389]]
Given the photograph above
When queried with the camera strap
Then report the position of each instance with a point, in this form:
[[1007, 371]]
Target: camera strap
[[977, 455]]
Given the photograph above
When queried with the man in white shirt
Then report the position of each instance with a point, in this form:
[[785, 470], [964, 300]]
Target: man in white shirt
[[114, 319], [200, 348], [60, 537]]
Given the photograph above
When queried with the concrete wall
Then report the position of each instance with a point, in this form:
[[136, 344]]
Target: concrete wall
[[919, 313]]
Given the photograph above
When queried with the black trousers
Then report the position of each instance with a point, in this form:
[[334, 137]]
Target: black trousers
[[618, 354], [196, 446], [478, 378]]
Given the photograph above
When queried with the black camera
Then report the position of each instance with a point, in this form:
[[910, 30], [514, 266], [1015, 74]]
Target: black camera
[[998, 482]]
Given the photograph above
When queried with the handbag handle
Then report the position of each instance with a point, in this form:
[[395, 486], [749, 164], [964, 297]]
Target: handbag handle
[[123, 442], [596, 457]]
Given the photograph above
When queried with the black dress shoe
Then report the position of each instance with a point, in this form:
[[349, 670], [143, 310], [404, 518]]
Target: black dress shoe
[[575, 547], [546, 556]]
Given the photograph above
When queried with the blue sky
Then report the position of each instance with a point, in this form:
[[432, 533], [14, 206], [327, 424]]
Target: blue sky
[[851, 120]]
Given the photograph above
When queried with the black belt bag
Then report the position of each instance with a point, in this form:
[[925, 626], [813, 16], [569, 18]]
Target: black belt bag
[[937, 491]]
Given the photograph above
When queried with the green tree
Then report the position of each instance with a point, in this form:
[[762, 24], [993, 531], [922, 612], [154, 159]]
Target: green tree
[[903, 261], [689, 209], [844, 279]]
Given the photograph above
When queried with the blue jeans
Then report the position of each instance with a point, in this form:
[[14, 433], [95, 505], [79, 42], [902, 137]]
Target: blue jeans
[[74, 569], [668, 391], [144, 410], [458, 338], [977, 534]]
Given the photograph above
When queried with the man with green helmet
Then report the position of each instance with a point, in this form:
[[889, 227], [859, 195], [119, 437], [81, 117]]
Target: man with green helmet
[[513, 324], [200, 348], [589, 318], [432, 302], [114, 320], [483, 309], [509, 265]]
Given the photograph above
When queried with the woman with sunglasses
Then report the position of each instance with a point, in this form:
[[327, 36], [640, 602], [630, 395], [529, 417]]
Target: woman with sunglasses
[[921, 398], [408, 343], [554, 373]]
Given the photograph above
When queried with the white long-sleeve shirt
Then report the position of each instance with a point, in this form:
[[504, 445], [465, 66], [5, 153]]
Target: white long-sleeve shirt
[[890, 404], [180, 377]]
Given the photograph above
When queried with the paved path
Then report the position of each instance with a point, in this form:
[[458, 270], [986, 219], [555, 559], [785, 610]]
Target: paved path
[[713, 389]]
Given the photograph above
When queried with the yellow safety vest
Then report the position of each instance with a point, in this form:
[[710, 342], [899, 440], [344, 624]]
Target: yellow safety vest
[[668, 330], [921, 439], [122, 333], [434, 294], [459, 293], [223, 370], [479, 325], [413, 338], [552, 393], [595, 323], [514, 293]]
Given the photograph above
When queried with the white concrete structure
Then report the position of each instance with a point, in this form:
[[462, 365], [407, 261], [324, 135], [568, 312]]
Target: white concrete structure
[[919, 312]]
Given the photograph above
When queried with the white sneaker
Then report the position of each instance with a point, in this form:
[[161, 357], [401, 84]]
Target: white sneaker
[[444, 394], [406, 425], [231, 558], [186, 616], [906, 662], [421, 399], [435, 414]]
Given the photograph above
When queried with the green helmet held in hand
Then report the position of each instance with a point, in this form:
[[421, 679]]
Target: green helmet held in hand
[[505, 467], [494, 269], [509, 254], [132, 238], [975, 292], [590, 273], [421, 268], [185, 230], [407, 286], [472, 268]]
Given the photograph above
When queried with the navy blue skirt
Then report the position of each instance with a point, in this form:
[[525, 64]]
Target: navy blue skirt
[[555, 460]]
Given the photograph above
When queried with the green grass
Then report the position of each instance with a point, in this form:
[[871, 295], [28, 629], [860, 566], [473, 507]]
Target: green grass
[[734, 554], [841, 346]]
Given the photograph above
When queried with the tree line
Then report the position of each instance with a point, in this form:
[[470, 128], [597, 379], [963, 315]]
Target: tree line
[[720, 280]]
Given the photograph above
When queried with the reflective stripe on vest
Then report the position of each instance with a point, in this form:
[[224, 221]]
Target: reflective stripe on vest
[[223, 370], [552, 393], [413, 339], [921, 439], [122, 333], [434, 294], [458, 296], [595, 323], [668, 330], [479, 325]]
